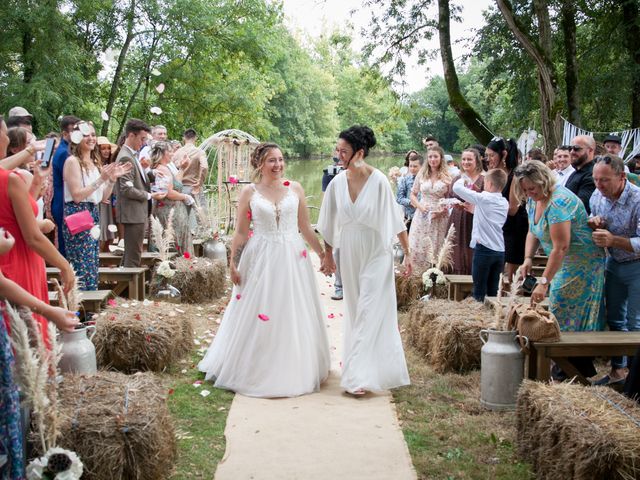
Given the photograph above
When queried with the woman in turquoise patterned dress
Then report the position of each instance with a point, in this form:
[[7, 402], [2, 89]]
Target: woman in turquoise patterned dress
[[574, 274], [167, 180]]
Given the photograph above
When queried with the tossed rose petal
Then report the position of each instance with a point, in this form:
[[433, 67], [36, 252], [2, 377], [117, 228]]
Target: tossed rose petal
[[104, 116], [286, 183], [197, 383], [233, 179], [112, 303], [156, 72], [160, 88], [112, 228], [187, 255], [249, 214], [331, 315], [76, 136], [170, 392], [263, 317], [95, 232], [205, 393], [156, 110], [238, 296], [304, 253]]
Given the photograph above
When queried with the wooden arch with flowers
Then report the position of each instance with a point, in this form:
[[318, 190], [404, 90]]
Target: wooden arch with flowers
[[228, 155]]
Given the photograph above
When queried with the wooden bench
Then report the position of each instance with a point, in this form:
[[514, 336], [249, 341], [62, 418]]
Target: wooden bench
[[540, 260], [527, 300], [126, 278], [91, 300], [460, 286], [578, 344], [149, 259], [198, 249]]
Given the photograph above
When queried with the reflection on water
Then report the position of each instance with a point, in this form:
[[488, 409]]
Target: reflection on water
[[309, 174]]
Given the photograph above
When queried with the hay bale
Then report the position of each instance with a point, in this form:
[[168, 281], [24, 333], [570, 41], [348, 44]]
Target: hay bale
[[447, 332], [575, 432], [410, 289], [119, 425], [200, 280], [142, 336]]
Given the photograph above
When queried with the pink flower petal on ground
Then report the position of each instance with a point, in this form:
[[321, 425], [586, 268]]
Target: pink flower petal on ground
[[238, 296], [304, 253], [112, 303], [331, 315], [263, 317]]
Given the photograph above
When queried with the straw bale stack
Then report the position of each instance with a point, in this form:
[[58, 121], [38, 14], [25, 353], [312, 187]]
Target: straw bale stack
[[119, 425], [200, 280], [448, 332], [142, 336], [410, 289], [575, 432]]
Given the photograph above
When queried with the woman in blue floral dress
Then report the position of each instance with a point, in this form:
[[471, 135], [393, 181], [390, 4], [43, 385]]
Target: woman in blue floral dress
[[574, 274]]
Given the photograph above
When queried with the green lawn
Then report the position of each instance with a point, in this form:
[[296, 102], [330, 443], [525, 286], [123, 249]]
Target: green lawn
[[199, 422]]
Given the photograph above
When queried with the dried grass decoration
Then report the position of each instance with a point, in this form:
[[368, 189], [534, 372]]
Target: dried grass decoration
[[575, 432], [448, 332], [409, 289], [200, 280], [142, 336], [118, 424]]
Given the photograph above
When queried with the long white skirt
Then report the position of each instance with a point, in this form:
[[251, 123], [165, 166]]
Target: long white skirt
[[373, 355], [272, 340]]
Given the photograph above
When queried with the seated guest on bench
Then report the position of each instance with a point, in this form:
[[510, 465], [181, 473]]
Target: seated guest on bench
[[574, 274], [615, 210], [487, 239]]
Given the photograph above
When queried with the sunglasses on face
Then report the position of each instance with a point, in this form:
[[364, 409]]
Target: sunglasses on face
[[574, 148], [606, 159]]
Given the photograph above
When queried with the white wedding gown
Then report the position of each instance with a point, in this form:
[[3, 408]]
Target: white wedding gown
[[364, 230], [272, 341]]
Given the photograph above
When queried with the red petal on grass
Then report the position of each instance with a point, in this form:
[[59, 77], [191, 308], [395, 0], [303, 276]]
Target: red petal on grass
[[263, 317], [171, 390]]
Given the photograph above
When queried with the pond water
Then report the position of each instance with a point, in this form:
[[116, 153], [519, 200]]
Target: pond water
[[309, 174]]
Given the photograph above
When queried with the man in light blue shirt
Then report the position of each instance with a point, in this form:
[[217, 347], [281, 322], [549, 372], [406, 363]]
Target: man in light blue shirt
[[405, 184], [615, 220]]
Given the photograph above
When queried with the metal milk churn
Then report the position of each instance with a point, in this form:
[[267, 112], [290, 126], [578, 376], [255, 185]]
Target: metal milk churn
[[78, 352], [501, 369], [215, 250]]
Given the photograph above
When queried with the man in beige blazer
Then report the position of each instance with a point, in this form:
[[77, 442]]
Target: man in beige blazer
[[133, 193]]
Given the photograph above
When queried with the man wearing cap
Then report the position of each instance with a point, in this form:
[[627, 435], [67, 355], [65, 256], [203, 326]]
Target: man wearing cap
[[59, 158], [613, 144], [580, 182], [19, 117]]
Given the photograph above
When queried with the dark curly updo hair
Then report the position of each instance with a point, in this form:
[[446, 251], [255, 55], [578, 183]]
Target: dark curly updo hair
[[360, 137], [258, 155]]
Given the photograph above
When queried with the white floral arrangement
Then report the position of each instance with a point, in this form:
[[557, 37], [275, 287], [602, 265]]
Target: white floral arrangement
[[428, 282], [58, 464], [165, 269], [394, 174]]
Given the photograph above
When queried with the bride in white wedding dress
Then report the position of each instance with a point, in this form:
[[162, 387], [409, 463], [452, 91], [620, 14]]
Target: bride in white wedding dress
[[272, 340]]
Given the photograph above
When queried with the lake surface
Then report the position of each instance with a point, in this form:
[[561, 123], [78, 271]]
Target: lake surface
[[309, 174]]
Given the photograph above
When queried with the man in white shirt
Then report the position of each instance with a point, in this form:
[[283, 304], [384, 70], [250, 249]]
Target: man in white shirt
[[158, 134], [564, 169], [487, 239]]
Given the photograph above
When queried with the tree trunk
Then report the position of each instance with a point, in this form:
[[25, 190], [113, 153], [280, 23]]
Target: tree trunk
[[568, 25], [631, 27], [469, 117], [117, 76], [547, 83]]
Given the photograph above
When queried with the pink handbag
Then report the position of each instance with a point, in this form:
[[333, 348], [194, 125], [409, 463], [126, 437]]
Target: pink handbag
[[79, 222]]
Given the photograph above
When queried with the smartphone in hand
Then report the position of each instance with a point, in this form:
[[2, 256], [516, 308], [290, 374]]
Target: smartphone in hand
[[48, 153], [529, 284]]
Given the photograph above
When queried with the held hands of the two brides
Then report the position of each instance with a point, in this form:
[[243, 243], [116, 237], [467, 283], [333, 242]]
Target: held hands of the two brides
[[328, 266]]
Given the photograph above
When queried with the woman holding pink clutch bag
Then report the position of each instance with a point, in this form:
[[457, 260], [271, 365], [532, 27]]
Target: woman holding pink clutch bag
[[86, 184]]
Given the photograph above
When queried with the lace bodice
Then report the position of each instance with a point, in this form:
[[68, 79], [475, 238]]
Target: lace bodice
[[432, 192], [269, 218]]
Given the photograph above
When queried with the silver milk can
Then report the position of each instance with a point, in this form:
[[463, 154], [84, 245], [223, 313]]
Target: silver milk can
[[78, 352], [215, 250], [501, 369]]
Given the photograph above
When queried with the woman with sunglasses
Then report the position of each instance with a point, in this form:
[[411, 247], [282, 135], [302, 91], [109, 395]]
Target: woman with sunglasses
[[504, 154], [574, 275], [86, 183]]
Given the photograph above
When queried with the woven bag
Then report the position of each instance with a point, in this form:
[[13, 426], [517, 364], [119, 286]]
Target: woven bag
[[533, 322]]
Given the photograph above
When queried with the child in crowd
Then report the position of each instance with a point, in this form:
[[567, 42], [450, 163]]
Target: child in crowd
[[487, 238]]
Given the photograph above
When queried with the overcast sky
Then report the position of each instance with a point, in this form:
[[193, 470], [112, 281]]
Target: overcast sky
[[317, 16]]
